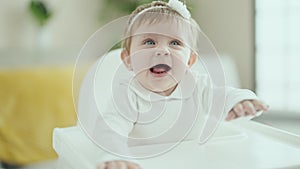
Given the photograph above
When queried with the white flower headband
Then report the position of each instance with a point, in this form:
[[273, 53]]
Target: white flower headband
[[180, 8], [176, 5]]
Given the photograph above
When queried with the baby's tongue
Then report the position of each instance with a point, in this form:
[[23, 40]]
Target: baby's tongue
[[157, 70]]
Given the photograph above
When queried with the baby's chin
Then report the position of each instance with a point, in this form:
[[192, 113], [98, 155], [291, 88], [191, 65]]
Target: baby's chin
[[166, 91]]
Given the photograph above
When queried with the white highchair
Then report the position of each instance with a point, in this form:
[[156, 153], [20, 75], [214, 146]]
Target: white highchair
[[239, 144]]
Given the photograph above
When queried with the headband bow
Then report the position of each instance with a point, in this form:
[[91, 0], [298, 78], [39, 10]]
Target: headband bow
[[180, 8]]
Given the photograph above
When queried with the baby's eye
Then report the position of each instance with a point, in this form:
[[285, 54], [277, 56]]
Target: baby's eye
[[149, 42], [175, 42]]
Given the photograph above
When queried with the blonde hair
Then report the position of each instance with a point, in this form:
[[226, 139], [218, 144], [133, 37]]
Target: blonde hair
[[151, 13]]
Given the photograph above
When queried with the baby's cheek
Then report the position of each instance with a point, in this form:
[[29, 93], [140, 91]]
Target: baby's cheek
[[181, 58], [141, 60], [179, 64]]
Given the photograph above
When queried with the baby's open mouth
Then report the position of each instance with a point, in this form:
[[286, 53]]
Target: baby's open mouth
[[160, 69]]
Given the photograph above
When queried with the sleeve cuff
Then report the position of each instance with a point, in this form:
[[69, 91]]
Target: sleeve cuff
[[235, 96]]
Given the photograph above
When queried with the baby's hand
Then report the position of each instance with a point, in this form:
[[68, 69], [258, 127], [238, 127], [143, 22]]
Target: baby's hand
[[245, 108], [118, 164]]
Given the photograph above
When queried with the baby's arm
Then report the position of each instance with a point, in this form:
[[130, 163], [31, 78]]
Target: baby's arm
[[242, 102], [105, 125], [245, 108], [238, 102], [112, 128]]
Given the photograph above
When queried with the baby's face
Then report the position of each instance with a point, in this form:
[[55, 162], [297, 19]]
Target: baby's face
[[159, 55]]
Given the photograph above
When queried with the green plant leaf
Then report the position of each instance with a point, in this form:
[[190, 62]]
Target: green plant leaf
[[39, 11]]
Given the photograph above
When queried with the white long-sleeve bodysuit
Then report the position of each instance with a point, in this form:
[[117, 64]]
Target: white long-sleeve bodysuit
[[135, 116]]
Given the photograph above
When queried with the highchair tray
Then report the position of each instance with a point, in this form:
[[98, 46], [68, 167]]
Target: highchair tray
[[235, 145]]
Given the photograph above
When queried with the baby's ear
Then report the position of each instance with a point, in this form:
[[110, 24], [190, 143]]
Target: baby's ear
[[193, 58], [126, 58]]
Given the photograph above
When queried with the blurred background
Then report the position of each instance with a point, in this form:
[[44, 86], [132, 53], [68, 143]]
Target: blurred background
[[40, 40]]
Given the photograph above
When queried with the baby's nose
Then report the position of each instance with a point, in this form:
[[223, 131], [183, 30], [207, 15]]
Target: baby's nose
[[162, 52]]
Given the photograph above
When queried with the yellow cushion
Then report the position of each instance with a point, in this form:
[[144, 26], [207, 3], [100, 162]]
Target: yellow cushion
[[32, 103]]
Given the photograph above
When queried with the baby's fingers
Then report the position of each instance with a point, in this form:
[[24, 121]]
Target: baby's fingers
[[239, 110], [119, 164], [249, 107], [111, 165], [133, 166], [260, 105], [101, 166], [231, 115]]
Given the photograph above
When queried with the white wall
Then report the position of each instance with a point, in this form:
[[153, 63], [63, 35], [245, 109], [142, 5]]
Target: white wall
[[16, 28], [229, 25], [72, 22], [24, 43]]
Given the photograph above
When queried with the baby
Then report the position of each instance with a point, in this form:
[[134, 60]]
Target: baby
[[163, 91]]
